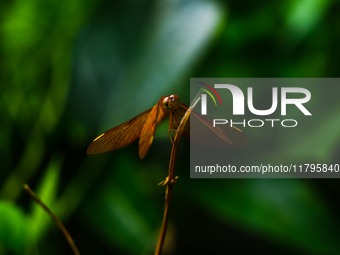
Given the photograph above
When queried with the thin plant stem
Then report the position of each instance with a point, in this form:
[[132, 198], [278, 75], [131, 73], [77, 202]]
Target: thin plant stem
[[165, 219], [54, 218], [171, 179]]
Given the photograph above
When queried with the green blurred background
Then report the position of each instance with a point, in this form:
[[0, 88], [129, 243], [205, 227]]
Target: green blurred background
[[70, 70]]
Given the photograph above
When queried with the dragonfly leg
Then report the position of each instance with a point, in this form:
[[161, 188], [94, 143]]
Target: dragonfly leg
[[170, 125], [168, 181], [177, 122]]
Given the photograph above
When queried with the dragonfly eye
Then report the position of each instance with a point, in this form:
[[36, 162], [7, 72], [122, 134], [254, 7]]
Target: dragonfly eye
[[166, 106], [171, 103]]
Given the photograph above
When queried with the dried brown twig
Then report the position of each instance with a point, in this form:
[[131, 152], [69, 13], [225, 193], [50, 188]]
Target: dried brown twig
[[171, 179], [55, 219]]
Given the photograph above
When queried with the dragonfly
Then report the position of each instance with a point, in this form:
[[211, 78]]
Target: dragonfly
[[143, 126]]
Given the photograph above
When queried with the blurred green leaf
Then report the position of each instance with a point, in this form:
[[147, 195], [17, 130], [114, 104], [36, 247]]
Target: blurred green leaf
[[121, 210], [283, 211], [121, 72], [12, 226], [121, 223], [304, 15], [35, 58]]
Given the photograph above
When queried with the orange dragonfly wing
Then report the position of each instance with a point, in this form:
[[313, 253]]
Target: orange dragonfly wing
[[157, 114], [203, 132], [143, 126], [120, 136]]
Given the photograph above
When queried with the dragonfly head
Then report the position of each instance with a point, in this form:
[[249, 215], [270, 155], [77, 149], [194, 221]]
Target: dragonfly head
[[171, 103]]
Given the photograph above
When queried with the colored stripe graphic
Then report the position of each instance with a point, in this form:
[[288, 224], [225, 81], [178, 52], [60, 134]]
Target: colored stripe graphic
[[207, 91], [213, 90]]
